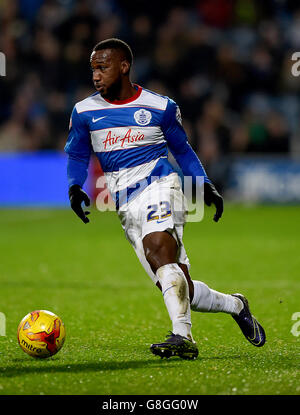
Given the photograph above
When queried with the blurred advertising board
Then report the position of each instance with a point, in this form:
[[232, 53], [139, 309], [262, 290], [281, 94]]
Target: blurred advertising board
[[264, 180], [37, 179]]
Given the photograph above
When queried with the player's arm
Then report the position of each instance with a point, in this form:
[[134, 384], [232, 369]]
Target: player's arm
[[78, 148], [186, 157]]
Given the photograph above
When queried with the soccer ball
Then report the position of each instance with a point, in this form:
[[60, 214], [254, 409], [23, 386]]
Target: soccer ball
[[41, 333]]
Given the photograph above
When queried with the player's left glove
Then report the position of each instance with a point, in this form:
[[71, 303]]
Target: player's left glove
[[77, 196], [211, 195]]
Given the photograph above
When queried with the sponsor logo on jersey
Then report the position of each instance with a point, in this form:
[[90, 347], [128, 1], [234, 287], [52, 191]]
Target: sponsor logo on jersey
[[128, 137], [142, 117]]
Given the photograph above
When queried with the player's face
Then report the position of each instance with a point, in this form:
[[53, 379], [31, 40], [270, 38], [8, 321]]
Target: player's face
[[108, 67]]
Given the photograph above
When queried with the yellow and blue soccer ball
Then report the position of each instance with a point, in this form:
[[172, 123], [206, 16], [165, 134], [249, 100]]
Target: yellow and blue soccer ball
[[41, 333]]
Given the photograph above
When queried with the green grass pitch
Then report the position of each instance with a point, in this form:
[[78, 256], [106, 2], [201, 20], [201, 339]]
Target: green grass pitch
[[90, 277]]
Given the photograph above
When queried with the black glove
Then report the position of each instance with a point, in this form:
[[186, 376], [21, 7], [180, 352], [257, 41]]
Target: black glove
[[211, 195], [77, 196]]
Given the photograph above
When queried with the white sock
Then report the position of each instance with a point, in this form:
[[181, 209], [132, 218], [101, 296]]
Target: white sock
[[175, 291], [206, 299]]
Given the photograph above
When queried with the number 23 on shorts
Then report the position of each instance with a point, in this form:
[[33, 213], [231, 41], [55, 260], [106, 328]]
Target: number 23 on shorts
[[165, 208]]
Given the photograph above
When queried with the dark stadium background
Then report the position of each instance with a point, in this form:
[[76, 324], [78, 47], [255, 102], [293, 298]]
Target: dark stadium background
[[227, 63]]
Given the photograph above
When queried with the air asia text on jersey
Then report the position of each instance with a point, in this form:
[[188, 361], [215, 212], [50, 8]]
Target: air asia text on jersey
[[129, 137]]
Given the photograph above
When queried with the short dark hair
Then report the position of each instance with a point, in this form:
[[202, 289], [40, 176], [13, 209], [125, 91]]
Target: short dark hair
[[115, 43]]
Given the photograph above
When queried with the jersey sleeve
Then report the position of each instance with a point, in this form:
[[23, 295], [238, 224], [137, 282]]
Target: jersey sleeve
[[178, 143], [79, 149]]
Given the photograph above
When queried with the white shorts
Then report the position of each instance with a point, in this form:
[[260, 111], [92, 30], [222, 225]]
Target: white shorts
[[160, 207]]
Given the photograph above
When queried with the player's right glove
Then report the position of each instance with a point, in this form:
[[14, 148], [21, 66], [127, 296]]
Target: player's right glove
[[211, 195], [77, 196]]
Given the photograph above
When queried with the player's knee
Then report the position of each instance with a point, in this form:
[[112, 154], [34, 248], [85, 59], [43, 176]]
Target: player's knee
[[158, 255], [156, 252], [160, 249]]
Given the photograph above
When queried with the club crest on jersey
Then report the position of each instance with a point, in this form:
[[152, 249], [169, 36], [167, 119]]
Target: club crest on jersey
[[142, 117]]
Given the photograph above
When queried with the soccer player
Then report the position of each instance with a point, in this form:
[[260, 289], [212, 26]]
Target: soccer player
[[131, 129]]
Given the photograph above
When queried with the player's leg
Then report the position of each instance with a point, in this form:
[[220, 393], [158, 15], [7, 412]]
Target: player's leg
[[161, 252], [157, 219], [205, 299], [202, 297], [145, 222]]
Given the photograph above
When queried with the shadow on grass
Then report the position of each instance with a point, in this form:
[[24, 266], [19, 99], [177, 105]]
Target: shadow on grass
[[23, 366], [17, 370]]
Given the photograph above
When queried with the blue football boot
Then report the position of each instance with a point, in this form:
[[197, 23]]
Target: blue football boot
[[250, 327]]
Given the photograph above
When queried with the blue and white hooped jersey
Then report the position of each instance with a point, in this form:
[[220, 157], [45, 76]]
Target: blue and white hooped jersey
[[130, 138]]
